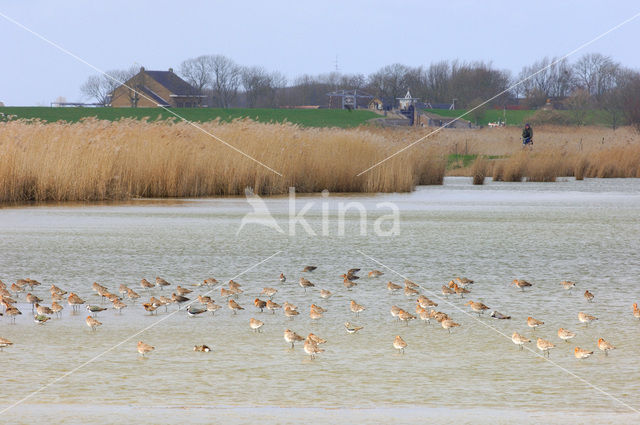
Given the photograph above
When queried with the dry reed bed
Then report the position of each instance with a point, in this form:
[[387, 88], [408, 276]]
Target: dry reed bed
[[102, 160]]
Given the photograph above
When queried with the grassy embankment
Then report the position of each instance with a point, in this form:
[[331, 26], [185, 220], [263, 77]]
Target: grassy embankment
[[304, 117]]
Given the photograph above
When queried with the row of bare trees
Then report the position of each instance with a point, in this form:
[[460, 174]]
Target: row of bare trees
[[592, 81]]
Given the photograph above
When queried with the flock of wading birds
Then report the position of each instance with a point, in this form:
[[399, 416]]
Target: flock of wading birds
[[424, 308]]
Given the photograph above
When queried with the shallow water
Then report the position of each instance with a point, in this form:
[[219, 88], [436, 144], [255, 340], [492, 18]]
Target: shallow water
[[585, 231]]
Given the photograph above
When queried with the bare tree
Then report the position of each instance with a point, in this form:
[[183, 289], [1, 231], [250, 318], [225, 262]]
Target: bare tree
[[225, 79], [390, 81], [197, 72], [101, 87], [256, 82], [595, 73]]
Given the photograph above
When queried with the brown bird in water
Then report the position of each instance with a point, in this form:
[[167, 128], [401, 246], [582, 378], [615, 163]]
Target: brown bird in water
[[304, 283], [519, 340], [146, 284], [325, 293], [534, 323], [5, 343], [636, 311], [234, 306], [356, 308], [349, 284], [411, 284], [567, 284], [521, 283], [269, 292], [74, 301], [149, 307], [425, 302], [179, 299], [581, 353], [273, 306], [544, 346], [213, 307], [315, 314], [56, 308], [316, 339], [92, 323], [43, 309], [290, 313], [255, 324], [565, 334], [586, 318], [460, 291], [133, 295], [292, 337], [352, 328], [144, 348], [448, 324], [375, 273], [605, 346], [311, 348], [399, 344], [204, 299], [161, 282], [478, 307], [309, 268], [405, 316], [392, 287], [183, 291], [260, 304], [588, 296], [210, 281], [201, 348], [410, 292], [447, 291]]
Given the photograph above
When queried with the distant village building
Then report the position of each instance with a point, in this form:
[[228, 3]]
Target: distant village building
[[376, 104], [406, 101], [150, 89]]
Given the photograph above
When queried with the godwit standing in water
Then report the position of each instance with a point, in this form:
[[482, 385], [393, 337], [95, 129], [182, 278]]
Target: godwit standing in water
[[605, 346], [144, 348], [636, 311], [316, 339], [534, 323], [411, 284], [588, 296], [160, 282], [392, 287], [460, 291], [352, 328], [292, 337], [544, 346], [74, 301], [448, 324], [55, 290], [290, 313], [304, 283], [146, 284], [395, 310], [210, 281], [405, 316], [581, 354], [12, 312], [133, 295], [567, 284], [478, 307], [565, 334], [446, 291], [213, 307], [519, 340], [325, 293], [150, 307], [521, 283], [273, 306], [309, 268], [118, 305], [260, 304], [201, 348], [375, 273], [311, 348], [269, 292], [234, 306], [315, 314], [348, 283], [43, 309], [399, 344], [33, 300], [586, 318], [426, 302], [182, 291], [283, 278], [204, 299], [178, 299], [255, 324], [56, 308], [356, 308], [5, 343], [92, 323], [410, 292]]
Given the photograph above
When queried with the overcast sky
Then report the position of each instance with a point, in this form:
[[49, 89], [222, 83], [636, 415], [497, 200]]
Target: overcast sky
[[294, 37]]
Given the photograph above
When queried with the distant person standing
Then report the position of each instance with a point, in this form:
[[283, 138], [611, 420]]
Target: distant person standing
[[527, 136]]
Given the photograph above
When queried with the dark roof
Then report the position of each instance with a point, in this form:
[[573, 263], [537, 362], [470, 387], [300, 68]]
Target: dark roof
[[160, 101], [173, 83]]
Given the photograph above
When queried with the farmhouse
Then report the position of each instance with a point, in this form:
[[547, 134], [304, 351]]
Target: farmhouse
[[149, 89]]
